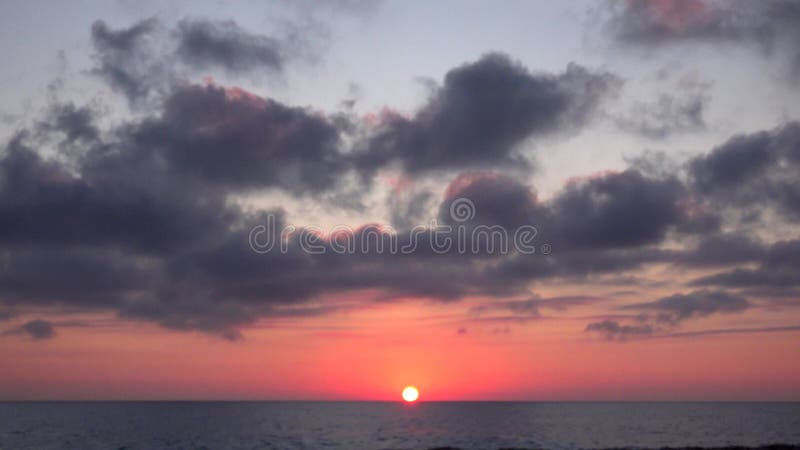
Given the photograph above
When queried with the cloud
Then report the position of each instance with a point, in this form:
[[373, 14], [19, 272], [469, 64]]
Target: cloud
[[141, 216], [531, 308], [624, 209], [770, 26], [409, 209], [778, 268], [680, 307], [608, 223], [167, 248], [616, 210], [754, 170], [613, 330], [223, 44], [76, 123], [138, 221], [723, 331], [149, 57], [127, 59], [35, 329], [483, 112], [668, 115], [135, 218], [498, 200], [479, 117], [43, 202], [738, 160], [659, 317], [6, 314], [90, 231], [721, 250], [239, 140], [93, 278]]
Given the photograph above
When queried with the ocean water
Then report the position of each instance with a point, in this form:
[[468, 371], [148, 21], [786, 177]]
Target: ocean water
[[389, 425]]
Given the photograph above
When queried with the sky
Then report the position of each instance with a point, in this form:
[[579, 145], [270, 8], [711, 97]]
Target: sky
[[331, 201]]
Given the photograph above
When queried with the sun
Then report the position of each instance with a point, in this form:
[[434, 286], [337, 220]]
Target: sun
[[410, 394]]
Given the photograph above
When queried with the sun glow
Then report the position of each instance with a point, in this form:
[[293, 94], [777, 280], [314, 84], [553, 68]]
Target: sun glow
[[410, 394]]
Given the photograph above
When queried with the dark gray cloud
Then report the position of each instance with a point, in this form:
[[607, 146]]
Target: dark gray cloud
[[483, 112], [35, 329], [660, 317], [169, 249], [600, 225], [755, 170], [691, 334], [39, 329], [142, 60], [680, 307], [478, 118], [779, 268], [42, 202], [770, 26], [127, 59], [186, 265], [81, 278], [531, 307], [76, 123], [203, 44], [722, 250], [737, 161], [86, 231], [236, 139], [137, 222], [613, 330], [125, 39], [498, 200], [137, 218], [618, 210]]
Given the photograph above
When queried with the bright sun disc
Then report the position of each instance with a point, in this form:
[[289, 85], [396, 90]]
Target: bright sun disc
[[410, 394]]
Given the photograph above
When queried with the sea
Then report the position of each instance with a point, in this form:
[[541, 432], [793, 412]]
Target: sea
[[394, 425]]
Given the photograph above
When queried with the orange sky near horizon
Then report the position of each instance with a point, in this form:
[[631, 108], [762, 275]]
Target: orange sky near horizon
[[372, 353]]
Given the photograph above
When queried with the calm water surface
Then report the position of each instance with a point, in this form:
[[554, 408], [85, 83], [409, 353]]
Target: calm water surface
[[378, 425]]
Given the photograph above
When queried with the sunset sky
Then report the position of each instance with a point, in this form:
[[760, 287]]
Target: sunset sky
[[653, 145]]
